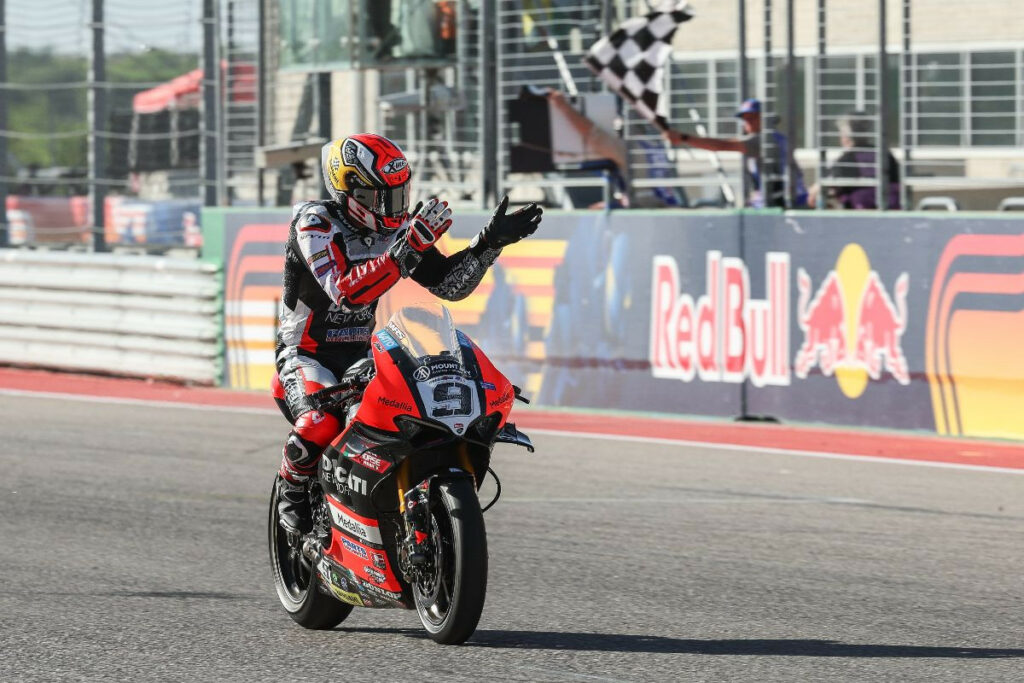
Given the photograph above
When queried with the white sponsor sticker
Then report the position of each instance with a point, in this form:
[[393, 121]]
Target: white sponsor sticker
[[355, 527]]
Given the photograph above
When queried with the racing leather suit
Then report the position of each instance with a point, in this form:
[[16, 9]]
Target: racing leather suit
[[335, 271]]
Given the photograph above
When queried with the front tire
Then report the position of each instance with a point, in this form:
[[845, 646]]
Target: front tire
[[296, 580], [449, 605]]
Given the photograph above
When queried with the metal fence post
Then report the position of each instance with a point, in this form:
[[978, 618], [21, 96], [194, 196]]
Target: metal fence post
[[790, 160], [97, 120], [882, 152], [261, 97], [356, 50], [818, 107], [489, 94], [768, 149], [907, 101], [210, 150], [743, 90], [4, 234], [323, 117]]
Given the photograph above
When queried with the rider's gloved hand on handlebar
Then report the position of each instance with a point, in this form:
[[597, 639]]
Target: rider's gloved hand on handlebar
[[429, 222], [505, 229]]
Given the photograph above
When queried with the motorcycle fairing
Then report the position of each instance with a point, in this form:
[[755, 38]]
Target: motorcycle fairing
[[365, 529], [336, 582], [388, 395], [342, 583], [357, 547], [429, 370], [351, 469]]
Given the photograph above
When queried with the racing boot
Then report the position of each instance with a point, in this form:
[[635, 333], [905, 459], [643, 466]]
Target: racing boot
[[293, 512], [313, 432]]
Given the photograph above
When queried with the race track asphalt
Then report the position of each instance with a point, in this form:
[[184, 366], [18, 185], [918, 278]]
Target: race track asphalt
[[132, 548]]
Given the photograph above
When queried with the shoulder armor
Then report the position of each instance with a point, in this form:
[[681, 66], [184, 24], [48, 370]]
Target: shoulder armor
[[313, 221]]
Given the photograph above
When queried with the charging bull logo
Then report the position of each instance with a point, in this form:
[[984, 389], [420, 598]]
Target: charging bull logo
[[852, 328]]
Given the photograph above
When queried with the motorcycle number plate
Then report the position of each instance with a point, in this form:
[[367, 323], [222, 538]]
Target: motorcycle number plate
[[451, 400]]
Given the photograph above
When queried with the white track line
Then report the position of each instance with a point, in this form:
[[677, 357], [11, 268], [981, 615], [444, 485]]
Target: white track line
[[118, 400], [777, 451]]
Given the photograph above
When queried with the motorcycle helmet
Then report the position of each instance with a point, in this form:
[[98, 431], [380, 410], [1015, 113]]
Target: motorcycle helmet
[[369, 176]]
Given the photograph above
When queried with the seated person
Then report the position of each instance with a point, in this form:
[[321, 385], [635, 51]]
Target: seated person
[[858, 161]]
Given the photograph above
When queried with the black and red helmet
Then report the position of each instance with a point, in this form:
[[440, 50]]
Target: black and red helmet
[[372, 172]]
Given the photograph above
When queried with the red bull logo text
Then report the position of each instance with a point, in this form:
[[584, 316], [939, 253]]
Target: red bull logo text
[[723, 336], [852, 328]]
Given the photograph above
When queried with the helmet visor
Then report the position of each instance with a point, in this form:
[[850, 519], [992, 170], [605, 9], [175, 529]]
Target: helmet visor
[[391, 202]]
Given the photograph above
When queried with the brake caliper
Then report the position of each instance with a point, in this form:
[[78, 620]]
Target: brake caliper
[[417, 528]]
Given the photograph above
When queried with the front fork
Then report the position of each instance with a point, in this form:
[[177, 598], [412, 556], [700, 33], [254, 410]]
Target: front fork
[[416, 551]]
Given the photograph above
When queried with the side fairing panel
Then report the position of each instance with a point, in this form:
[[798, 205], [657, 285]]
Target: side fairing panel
[[361, 549], [388, 395]]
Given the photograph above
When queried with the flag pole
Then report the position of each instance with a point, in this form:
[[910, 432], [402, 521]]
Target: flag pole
[[563, 67], [716, 163]]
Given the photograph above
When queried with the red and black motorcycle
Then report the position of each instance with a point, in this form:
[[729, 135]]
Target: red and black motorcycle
[[397, 520]]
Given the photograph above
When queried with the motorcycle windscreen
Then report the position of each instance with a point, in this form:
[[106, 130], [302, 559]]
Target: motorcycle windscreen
[[426, 333]]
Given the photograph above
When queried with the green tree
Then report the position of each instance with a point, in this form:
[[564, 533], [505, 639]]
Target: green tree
[[60, 112]]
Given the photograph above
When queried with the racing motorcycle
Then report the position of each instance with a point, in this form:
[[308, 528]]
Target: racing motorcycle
[[397, 522]]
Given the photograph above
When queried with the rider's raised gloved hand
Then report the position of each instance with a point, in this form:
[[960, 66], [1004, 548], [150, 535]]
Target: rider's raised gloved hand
[[429, 222], [505, 229]]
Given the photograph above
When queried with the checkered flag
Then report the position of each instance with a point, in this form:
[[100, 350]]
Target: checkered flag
[[632, 59]]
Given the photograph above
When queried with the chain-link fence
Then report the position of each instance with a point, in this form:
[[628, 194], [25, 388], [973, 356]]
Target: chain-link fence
[[102, 129], [120, 119]]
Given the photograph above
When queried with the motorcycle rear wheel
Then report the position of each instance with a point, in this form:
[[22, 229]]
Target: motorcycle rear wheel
[[296, 579], [449, 606]]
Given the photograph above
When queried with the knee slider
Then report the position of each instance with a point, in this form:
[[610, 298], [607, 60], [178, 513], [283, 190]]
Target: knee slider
[[317, 428]]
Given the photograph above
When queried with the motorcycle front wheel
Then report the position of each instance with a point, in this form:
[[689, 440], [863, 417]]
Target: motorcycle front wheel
[[296, 580], [450, 600]]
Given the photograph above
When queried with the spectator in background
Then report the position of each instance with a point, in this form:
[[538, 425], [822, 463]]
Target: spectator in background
[[749, 145], [858, 161]]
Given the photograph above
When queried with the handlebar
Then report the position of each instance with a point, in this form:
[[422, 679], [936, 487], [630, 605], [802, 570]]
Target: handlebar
[[334, 396]]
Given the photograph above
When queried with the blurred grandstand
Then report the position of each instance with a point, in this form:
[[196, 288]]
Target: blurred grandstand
[[119, 119]]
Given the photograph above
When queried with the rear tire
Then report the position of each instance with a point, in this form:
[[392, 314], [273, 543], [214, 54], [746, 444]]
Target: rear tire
[[296, 579], [450, 609]]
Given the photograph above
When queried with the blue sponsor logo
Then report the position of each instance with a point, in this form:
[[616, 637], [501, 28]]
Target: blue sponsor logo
[[354, 549], [488, 386], [325, 268], [386, 340], [347, 334]]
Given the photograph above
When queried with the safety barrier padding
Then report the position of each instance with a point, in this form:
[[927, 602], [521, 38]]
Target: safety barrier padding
[[123, 315]]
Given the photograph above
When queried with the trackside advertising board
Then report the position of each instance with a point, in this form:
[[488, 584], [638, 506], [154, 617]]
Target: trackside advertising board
[[905, 321]]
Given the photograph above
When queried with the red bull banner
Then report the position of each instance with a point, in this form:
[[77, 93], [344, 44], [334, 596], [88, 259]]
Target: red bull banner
[[895, 321], [724, 335], [898, 321]]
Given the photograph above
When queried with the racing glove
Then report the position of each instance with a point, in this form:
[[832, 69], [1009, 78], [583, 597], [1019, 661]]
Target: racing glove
[[503, 230], [428, 223]]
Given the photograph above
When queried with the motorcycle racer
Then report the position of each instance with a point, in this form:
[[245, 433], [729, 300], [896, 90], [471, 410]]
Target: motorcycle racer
[[342, 255]]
